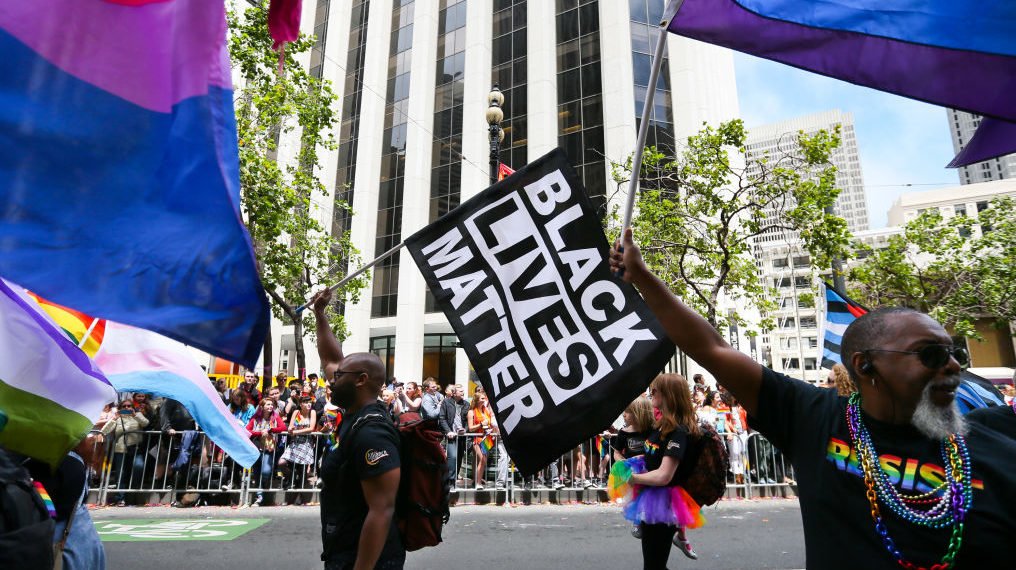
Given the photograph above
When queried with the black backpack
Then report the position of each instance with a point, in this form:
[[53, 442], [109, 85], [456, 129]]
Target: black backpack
[[422, 503], [707, 478], [26, 530]]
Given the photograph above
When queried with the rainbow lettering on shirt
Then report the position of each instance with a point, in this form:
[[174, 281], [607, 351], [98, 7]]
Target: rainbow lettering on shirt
[[907, 474], [651, 447]]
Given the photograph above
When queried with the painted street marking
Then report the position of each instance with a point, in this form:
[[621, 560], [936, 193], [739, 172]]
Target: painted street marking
[[141, 530]]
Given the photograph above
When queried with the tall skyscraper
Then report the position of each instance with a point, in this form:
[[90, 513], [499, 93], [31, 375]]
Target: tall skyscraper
[[792, 347], [781, 137], [413, 78], [962, 125]]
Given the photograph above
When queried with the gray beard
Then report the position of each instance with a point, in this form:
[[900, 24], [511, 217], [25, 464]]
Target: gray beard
[[937, 422]]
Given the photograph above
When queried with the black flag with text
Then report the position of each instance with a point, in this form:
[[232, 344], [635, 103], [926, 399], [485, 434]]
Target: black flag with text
[[560, 346]]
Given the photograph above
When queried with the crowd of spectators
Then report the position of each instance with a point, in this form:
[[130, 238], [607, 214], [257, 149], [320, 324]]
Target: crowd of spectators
[[291, 423]]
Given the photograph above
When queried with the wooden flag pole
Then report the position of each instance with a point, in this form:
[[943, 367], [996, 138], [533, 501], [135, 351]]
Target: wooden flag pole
[[633, 185], [357, 273]]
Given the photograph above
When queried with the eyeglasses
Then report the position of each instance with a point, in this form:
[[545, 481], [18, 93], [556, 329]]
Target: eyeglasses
[[934, 356], [341, 372]]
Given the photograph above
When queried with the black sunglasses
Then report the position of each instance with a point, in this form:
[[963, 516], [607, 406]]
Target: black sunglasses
[[341, 372], [934, 356]]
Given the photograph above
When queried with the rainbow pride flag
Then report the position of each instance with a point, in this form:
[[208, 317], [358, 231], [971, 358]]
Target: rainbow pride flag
[[50, 390], [486, 444], [119, 169], [75, 324]]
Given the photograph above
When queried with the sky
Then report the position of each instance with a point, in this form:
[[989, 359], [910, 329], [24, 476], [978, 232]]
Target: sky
[[901, 141]]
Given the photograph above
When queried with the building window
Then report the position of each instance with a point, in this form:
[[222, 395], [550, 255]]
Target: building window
[[808, 322], [349, 127], [439, 357], [788, 323], [780, 263], [384, 302], [645, 17], [801, 261], [384, 348], [508, 55], [579, 88], [791, 364], [811, 364]]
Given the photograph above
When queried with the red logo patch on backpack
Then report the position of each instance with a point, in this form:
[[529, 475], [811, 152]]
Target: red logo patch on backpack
[[707, 481]]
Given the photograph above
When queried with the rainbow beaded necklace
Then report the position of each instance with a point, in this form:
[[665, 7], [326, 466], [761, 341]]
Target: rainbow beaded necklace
[[944, 506]]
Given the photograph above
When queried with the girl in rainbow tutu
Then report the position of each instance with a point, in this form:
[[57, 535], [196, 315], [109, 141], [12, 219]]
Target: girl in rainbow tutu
[[649, 484]]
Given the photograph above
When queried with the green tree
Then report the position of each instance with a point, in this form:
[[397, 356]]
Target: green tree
[[698, 215], [957, 270], [294, 251]]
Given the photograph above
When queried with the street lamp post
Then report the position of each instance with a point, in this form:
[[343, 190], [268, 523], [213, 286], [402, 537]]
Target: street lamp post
[[495, 134]]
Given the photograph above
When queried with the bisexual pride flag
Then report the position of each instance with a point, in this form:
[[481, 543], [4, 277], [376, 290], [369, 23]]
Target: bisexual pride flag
[[119, 172], [955, 54]]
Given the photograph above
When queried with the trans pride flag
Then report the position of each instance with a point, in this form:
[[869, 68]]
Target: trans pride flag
[[136, 360], [119, 172], [50, 391], [949, 53]]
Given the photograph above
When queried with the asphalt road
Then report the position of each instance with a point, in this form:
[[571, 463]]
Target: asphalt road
[[740, 534]]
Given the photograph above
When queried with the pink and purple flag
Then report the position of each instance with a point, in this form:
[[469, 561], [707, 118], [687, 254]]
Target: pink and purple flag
[[119, 171], [955, 54]]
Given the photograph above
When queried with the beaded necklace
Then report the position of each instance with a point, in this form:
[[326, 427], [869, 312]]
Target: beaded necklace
[[943, 506]]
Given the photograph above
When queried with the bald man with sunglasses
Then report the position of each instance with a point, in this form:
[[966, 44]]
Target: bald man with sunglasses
[[360, 476], [892, 476]]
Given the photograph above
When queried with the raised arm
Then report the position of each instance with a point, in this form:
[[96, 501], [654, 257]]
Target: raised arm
[[329, 347], [691, 333]]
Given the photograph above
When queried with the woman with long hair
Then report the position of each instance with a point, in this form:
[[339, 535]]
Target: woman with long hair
[[263, 426], [654, 498], [841, 380], [240, 407], [300, 450], [480, 419]]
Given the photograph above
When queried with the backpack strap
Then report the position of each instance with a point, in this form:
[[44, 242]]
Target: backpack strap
[[365, 419]]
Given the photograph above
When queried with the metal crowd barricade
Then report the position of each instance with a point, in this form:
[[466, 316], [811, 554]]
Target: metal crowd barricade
[[158, 469], [768, 472], [289, 481], [166, 466], [579, 475]]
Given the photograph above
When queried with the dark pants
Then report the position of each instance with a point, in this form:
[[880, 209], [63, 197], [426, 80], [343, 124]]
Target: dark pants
[[128, 468], [656, 545]]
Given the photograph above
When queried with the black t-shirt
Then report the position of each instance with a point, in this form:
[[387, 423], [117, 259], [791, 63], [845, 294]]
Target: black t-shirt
[[675, 444], [629, 443], [373, 451], [809, 425], [999, 418]]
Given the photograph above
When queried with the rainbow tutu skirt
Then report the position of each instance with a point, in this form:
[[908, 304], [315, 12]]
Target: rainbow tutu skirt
[[651, 505]]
